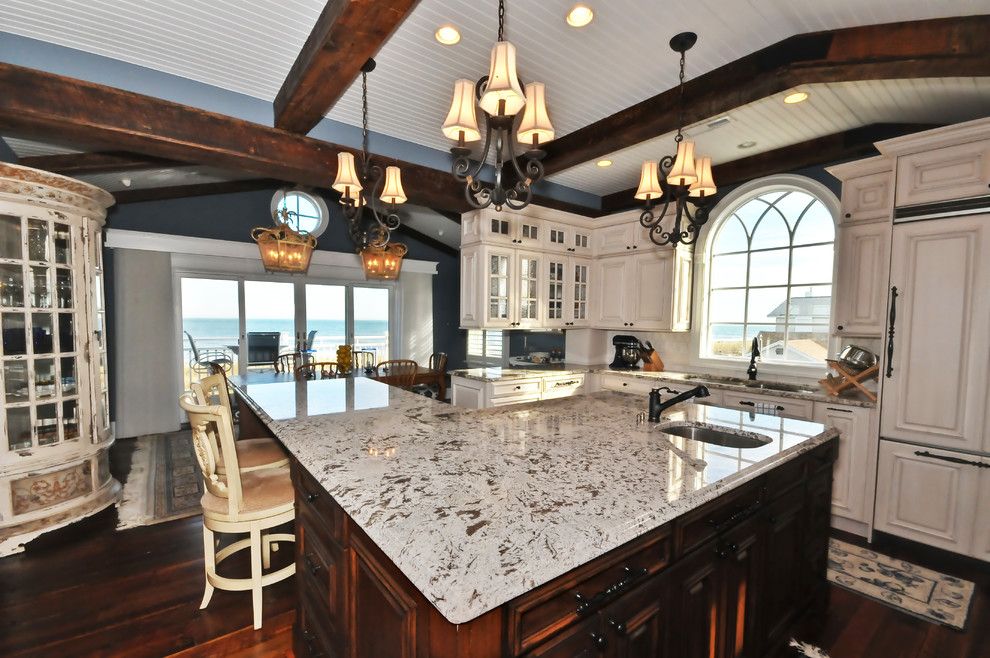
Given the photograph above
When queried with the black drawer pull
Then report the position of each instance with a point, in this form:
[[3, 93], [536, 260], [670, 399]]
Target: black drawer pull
[[844, 411], [890, 332], [314, 567], [748, 403], [617, 626], [599, 640], [571, 382], [629, 576], [311, 497], [737, 515], [954, 460]]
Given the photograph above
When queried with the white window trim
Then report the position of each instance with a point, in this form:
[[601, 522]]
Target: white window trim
[[727, 205], [317, 200]]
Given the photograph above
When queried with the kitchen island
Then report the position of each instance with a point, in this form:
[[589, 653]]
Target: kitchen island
[[560, 528]]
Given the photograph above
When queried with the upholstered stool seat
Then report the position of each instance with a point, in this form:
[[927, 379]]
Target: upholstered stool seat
[[268, 491]]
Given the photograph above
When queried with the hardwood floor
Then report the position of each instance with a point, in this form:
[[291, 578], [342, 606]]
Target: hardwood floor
[[88, 590]]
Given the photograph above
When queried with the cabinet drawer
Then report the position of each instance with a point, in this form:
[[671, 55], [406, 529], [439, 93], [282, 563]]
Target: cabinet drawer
[[512, 399], [953, 172], [801, 409], [562, 387], [697, 527], [319, 572], [311, 497], [556, 606], [516, 387], [627, 384], [867, 197]]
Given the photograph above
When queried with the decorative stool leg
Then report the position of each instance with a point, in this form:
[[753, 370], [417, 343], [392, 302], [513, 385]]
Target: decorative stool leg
[[210, 559], [256, 575]]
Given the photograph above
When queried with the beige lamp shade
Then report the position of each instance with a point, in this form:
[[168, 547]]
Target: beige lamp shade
[[347, 181], [393, 192], [649, 182], [683, 173], [705, 185], [503, 85], [461, 119], [535, 128]]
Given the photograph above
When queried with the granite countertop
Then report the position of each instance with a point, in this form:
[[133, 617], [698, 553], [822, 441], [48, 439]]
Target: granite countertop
[[479, 507], [802, 391]]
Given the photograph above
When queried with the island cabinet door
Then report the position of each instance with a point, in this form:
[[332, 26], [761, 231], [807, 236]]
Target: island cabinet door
[[741, 552], [584, 640], [695, 605], [782, 596], [636, 625]]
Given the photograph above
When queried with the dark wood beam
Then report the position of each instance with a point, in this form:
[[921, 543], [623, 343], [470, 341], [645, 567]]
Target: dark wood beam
[[950, 47], [47, 106], [346, 35], [855, 143], [194, 189], [77, 164]]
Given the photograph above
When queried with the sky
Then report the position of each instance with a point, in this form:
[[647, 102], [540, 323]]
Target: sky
[[216, 298]]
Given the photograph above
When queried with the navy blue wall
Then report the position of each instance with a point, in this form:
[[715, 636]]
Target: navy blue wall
[[232, 216]]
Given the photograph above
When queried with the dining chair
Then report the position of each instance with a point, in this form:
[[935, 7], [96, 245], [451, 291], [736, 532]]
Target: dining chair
[[207, 360], [251, 503], [363, 360], [262, 347], [310, 337], [437, 363], [324, 370], [400, 372], [288, 362], [252, 453]]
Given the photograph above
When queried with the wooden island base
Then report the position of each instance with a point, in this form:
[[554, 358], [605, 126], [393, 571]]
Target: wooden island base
[[727, 579]]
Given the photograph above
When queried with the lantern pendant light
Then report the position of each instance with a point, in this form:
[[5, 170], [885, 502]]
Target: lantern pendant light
[[683, 179], [284, 248], [361, 188], [501, 98]]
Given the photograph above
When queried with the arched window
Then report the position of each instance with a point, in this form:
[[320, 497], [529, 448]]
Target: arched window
[[309, 210], [770, 277]]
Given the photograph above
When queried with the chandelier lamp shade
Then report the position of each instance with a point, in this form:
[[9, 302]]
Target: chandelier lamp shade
[[284, 249], [369, 196], [502, 100], [682, 182]]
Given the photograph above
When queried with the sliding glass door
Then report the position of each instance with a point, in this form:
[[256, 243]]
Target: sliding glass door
[[326, 320], [269, 322], [211, 325], [371, 321]]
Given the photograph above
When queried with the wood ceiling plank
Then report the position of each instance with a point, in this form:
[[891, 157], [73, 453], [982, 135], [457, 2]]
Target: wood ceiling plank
[[100, 162], [949, 47], [845, 145], [346, 35]]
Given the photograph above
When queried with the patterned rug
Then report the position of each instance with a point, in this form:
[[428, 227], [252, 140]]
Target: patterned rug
[[920, 592], [164, 481]]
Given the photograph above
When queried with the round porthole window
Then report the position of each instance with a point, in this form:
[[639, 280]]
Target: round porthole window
[[309, 211]]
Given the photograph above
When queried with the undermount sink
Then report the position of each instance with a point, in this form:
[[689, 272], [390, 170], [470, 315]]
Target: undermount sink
[[716, 437], [776, 386]]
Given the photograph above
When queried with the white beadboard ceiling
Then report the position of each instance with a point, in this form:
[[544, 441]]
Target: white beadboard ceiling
[[620, 59], [772, 124]]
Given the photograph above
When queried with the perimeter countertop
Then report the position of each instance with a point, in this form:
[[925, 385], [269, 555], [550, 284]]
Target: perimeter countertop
[[478, 507], [801, 391]]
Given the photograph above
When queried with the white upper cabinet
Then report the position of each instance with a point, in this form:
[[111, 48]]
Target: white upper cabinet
[[498, 284], [867, 198], [608, 292], [617, 239], [528, 290], [644, 292], [568, 291], [953, 172], [472, 287], [936, 360], [862, 263]]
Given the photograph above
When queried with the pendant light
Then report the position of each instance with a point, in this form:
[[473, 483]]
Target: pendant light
[[683, 179], [501, 98], [368, 197], [284, 248]]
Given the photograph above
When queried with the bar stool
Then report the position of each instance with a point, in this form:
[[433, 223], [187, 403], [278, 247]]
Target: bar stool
[[252, 453], [250, 503]]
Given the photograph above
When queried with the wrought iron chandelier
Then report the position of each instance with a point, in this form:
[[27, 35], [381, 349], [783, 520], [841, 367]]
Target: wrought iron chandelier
[[680, 179], [369, 209], [284, 248], [501, 98]]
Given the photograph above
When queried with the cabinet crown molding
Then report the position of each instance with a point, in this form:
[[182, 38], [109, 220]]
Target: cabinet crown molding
[[20, 184], [880, 164], [959, 133]]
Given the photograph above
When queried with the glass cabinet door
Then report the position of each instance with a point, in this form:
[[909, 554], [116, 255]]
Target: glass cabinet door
[[555, 291], [98, 345], [499, 275], [40, 347], [528, 289], [579, 292]]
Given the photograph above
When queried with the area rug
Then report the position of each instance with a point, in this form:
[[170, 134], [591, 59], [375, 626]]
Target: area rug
[[164, 482], [920, 592]]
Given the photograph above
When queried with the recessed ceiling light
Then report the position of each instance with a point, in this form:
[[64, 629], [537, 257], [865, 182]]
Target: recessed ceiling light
[[126, 182], [604, 163], [447, 35], [580, 15], [746, 145], [796, 97]]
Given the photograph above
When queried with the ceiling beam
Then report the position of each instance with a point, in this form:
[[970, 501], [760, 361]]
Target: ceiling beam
[[101, 162], [193, 190], [42, 105], [346, 35], [846, 145], [950, 47]]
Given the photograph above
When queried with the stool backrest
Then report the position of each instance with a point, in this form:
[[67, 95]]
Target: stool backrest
[[213, 442]]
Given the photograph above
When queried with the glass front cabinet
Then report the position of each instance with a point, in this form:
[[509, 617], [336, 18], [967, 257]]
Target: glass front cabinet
[[54, 459]]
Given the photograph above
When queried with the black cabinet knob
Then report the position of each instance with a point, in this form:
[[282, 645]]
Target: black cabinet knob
[[625, 383], [848, 215], [839, 328], [312, 497], [634, 246]]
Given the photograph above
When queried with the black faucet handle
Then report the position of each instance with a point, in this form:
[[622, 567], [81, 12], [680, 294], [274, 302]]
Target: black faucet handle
[[664, 388]]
